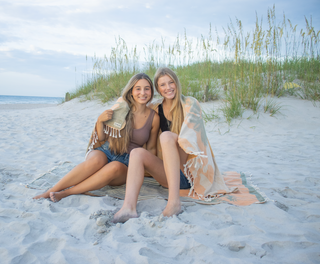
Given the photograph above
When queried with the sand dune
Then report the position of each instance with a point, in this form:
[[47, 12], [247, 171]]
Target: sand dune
[[281, 153]]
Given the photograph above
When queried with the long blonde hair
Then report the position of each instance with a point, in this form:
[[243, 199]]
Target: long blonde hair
[[120, 145], [176, 108]]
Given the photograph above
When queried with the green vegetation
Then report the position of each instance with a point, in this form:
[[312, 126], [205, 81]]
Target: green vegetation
[[245, 69]]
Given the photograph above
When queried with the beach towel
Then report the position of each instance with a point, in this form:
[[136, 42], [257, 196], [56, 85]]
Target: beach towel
[[246, 193]]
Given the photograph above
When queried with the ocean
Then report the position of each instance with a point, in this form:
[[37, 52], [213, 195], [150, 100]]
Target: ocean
[[11, 99]]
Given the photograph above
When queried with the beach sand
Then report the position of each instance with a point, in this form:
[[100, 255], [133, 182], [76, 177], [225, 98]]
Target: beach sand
[[281, 153]]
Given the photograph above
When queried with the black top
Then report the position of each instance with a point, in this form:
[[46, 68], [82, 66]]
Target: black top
[[164, 122]]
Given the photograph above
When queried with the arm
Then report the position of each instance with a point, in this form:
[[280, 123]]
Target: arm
[[152, 142], [105, 116]]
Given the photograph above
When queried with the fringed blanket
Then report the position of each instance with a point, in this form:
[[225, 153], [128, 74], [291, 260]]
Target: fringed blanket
[[246, 193], [201, 169], [113, 126]]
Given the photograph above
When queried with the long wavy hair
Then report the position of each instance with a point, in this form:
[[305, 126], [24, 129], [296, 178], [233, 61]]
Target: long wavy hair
[[120, 145], [176, 108]]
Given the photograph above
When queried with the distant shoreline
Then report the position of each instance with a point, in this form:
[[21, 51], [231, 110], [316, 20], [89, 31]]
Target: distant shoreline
[[24, 106], [38, 100]]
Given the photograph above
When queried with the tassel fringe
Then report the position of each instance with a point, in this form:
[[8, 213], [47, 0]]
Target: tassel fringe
[[250, 182], [112, 132]]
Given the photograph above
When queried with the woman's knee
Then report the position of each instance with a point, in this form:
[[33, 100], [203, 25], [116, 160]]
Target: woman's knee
[[138, 153], [117, 167], [168, 137], [97, 159], [139, 156]]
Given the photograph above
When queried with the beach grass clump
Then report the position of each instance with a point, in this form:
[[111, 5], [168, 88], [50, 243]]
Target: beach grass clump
[[209, 116], [274, 59], [232, 107], [271, 106]]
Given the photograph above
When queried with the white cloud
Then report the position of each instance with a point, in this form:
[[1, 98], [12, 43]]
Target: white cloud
[[88, 27], [37, 28], [64, 34]]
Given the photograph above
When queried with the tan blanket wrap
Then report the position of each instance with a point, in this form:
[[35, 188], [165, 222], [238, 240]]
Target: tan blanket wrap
[[201, 169]]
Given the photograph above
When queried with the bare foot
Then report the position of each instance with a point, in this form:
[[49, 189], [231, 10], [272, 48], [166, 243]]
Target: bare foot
[[56, 196], [43, 195], [124, 215], [172, 209]]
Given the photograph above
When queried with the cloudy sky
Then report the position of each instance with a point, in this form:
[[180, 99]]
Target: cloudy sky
[[44, 42]]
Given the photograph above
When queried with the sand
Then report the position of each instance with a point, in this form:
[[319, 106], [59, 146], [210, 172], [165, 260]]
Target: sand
[[281, 153]]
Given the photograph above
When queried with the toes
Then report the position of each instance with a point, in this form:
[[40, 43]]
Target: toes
[[53, 197]]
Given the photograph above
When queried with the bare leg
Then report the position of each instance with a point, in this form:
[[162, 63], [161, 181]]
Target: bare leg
[[139, 160], [173, 159], [166, 172], [94, 162], [114, 173]]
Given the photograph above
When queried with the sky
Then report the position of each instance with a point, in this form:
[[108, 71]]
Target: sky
[[44, 43]]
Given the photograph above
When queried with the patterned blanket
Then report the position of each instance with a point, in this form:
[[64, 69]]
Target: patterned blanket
[[113, 126], [201, 169], [246, 193]]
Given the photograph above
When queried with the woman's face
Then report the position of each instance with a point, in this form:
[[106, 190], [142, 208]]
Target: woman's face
[[167, 87], [141, 92]]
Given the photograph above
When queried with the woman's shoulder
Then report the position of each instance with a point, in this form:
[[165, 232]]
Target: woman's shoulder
[[154, 104], [153, 112]]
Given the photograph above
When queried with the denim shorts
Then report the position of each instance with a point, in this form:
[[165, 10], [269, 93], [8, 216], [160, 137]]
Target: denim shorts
[[123, 158], [184, 183]]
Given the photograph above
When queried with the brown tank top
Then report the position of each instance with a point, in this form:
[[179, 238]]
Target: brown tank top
[[140, 136]]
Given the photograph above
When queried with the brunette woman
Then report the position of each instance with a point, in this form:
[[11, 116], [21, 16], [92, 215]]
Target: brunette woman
[[108, 163]]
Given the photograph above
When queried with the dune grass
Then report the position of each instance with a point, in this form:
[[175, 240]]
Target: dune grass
[[240, 68]]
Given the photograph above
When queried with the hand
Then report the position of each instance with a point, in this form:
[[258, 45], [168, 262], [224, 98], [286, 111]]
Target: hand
[[106, 115]]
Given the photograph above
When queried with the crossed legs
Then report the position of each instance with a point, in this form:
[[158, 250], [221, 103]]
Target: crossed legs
[[92, 174]]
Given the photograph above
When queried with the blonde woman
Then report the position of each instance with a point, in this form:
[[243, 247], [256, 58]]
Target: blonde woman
[[107, 164], [184, 157]]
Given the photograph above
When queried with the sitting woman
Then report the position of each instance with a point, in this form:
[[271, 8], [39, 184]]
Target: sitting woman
[[107, 164], [185, 159]]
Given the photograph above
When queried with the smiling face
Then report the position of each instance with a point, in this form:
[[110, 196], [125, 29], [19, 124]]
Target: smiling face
[[141, 92], [167, 87]]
